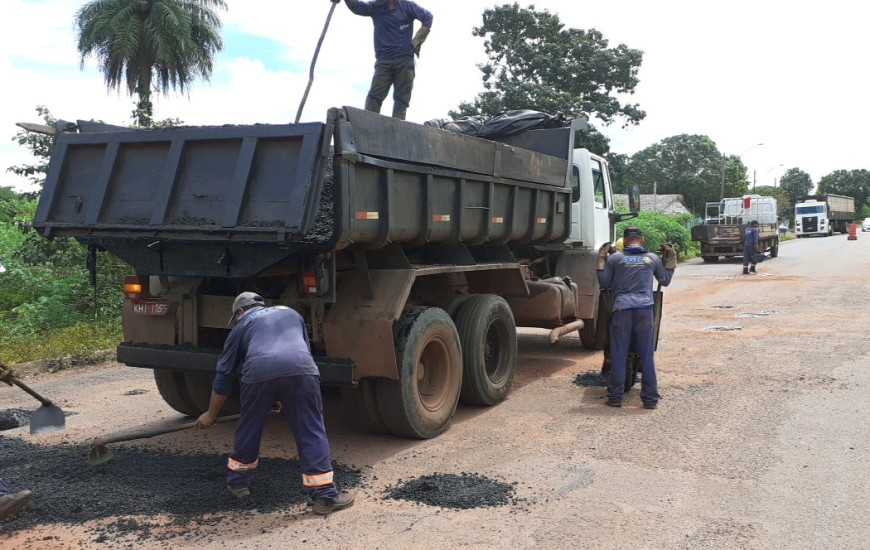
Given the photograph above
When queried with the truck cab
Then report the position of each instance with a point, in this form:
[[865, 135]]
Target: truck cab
[[592, 221]]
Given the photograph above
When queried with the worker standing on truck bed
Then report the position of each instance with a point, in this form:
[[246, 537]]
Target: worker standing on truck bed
[[394, 49], [268, 350], [750, 243], [629, 274]]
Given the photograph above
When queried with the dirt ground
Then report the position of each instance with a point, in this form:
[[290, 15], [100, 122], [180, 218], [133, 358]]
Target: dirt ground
[[761, 440]]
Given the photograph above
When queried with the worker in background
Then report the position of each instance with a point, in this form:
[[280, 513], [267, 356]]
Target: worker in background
[[750, 244], [395, 49], [12, 503], [629, 274], [268, 350]]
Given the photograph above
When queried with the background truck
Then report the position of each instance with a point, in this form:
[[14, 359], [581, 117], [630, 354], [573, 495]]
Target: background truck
[[412, 252], [721, 234], [823, 215]]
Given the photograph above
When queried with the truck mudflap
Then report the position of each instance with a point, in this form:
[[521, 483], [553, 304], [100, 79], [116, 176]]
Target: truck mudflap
[[333, 370]]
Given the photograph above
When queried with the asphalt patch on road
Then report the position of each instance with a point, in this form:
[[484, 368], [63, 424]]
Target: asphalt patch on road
[[140, 482], [464, 491], [590, 379], [14, 418]]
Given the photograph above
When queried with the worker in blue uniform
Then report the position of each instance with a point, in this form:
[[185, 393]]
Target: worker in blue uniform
[[629, 274], [12, 503], [395, 49], [750, 246], [269, 353]]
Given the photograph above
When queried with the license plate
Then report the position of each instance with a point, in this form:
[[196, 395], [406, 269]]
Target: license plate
[[151, 308]]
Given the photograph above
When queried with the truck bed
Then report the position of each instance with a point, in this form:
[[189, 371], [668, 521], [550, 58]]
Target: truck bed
[[234, 200]]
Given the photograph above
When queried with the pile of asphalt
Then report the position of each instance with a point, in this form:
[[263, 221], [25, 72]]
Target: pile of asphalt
[[590, 379], [140, 482], [324, 220], [464, 491], [14, 418]]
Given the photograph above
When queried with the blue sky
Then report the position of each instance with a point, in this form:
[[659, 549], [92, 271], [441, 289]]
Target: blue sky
[[790, 75]]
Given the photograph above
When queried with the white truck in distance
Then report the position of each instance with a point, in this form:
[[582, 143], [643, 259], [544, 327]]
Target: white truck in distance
[[823, 215]]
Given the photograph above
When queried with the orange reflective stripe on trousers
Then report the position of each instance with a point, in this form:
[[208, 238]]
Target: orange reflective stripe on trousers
[[317, 480]]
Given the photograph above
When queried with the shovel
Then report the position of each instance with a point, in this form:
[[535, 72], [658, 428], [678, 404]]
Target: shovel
[[100, 454], [47, 418]]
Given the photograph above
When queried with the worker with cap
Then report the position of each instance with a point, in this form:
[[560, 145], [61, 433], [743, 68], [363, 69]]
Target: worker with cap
[[750, 244], [629, 274], [269, 352], [12, 503], [395, 49]]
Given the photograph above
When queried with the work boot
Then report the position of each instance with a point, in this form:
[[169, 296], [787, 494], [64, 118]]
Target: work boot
[[240, 492], [650, 404], [13, 503], [614, 402], [752, 269], [745, 270], [325, 506]]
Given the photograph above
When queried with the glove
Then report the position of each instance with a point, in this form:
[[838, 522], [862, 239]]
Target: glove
[[669, 256], [603, 251], [418, 39]]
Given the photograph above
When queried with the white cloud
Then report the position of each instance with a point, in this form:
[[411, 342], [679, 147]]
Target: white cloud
[[787, 74]]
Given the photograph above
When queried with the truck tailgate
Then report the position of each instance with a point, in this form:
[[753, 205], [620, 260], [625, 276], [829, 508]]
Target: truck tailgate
[[258, 183]]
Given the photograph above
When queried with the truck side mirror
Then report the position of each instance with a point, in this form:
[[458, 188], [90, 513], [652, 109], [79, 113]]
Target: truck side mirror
[[634, 199]]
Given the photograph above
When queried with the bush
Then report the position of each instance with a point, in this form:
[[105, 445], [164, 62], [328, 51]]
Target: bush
[[661, 228]]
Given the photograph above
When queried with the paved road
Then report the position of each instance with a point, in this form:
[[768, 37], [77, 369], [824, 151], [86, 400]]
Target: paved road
[[761, 439]]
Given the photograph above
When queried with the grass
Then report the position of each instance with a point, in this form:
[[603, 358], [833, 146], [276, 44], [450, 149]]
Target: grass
[[76, 345]]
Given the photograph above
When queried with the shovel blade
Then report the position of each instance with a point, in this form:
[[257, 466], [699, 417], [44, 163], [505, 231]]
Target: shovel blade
[[47, 419], [99, 454]]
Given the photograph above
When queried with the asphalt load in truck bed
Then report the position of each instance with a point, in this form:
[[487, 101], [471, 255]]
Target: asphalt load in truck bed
[[323, 226], [140, 482]]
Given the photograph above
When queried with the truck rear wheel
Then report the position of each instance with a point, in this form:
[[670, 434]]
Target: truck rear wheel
[[173, 389], [774, 249], [488, 335], [593, 335], [199, 387], [421, 403], [360, 408]]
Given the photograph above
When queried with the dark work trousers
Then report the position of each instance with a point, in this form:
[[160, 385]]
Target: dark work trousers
[[632, 330], [302, 408], [748, 252], [398, 73]]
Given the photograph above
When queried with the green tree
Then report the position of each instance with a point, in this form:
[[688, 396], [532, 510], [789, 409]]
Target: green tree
[[689, 165], [851, 183], [164, 43], [536, 63], [39, 145], [796, 183]]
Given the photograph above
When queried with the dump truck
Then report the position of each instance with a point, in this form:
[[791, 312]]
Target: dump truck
[[823, 215], [721, 234], [412, 252]]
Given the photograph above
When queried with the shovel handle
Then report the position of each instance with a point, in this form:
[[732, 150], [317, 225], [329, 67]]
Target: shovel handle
[[157, 431], [7, 376]]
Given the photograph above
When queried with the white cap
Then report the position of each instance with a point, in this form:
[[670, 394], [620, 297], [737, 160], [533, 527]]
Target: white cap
[[244, 300]]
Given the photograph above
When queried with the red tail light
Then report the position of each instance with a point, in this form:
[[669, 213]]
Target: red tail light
[[309, 282], [133, 288]]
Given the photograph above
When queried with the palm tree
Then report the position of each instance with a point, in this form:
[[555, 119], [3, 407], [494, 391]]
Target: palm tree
[[165, 42]]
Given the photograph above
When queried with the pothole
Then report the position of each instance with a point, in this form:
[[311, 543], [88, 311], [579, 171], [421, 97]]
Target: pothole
[[722, 329], [135, 392], [722, 307], [464, 491], [14, 418], [764, 313]]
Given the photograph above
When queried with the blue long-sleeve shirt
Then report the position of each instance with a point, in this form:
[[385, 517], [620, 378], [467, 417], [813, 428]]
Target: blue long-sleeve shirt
[[394, 28], [266, 343], [630, 273], [750, 238]]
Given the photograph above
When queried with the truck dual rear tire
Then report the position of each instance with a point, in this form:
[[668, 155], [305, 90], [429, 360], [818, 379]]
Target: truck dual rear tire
[[488, 335], [189, 392], [421, 403]]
